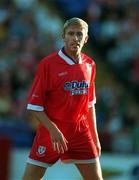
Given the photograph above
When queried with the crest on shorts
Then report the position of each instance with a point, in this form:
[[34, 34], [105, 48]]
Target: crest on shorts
[[41, 150]]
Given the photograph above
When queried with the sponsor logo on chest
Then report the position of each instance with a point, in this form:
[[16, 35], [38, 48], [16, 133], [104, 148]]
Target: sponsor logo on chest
[[77, 87]]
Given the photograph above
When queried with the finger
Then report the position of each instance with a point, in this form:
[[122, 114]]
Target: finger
[[54, 146], [64, 144], [57, 147], [65, 140], [62, 149]]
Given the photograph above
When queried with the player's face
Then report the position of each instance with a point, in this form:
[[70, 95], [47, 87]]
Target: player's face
[[74, 38]]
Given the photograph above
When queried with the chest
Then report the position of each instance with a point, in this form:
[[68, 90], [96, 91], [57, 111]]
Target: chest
[[78, 75]]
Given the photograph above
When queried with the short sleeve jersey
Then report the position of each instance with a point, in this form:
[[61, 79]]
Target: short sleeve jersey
[[63, 89]]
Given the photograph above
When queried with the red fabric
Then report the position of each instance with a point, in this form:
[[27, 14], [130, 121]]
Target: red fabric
[[80, 144], [63, 90]]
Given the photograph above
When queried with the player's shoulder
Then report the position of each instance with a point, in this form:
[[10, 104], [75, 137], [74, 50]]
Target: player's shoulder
[[88, 59], [46, 62], [49, 58]]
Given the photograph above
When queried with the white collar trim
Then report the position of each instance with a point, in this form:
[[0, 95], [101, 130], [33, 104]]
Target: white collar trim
[[67, 59]]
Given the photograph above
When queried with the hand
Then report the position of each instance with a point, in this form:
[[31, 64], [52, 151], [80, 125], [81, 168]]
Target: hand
[[58, 140]]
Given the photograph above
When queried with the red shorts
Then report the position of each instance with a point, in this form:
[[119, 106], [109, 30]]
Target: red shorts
[[81, 148]]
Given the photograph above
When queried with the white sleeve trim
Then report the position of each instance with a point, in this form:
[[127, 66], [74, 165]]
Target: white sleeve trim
[[91, 103], [35, 107]]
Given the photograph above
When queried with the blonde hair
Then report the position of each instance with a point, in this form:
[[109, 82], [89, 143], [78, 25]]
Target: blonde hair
[[75, 21]]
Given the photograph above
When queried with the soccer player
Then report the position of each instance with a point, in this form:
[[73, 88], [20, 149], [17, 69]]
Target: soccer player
[[62, 98]]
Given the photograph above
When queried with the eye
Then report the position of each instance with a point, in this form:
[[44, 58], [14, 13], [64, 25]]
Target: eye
[[79, 34], [71, 33]]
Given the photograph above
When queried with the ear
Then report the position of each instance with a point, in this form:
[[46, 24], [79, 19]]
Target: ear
[[63, 35], [86, 39]]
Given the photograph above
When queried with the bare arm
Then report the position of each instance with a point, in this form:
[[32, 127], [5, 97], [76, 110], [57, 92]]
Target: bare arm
[[58, 140], [93, 128]]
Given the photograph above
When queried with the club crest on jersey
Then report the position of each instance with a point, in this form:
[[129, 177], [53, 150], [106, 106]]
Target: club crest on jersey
[[41, 151], [77, 87]]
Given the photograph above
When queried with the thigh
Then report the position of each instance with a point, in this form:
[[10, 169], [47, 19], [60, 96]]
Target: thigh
[[81, 147], [91, 171], [33, 172]]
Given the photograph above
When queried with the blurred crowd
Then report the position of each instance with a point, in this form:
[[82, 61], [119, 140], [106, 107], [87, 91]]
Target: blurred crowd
[[29, 30]]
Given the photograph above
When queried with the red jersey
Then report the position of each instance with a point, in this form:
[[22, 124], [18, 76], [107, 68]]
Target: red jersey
[[63, 89]]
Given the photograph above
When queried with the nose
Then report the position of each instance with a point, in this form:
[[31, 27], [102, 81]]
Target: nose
[[75, 37]]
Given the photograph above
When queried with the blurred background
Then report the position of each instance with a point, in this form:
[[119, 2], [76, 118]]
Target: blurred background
[[30, 30]]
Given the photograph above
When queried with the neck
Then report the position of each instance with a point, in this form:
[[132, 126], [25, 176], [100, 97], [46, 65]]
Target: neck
[[75, 56]]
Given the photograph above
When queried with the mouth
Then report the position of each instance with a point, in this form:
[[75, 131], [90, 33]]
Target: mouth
[[75, 44]]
